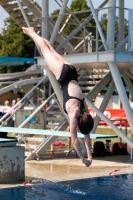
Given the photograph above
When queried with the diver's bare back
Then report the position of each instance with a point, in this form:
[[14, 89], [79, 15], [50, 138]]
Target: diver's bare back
[[74, 90]]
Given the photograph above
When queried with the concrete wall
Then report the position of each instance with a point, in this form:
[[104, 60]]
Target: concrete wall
[[12, 164]]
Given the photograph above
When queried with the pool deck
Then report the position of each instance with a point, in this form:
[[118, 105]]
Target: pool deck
[[72, 168]]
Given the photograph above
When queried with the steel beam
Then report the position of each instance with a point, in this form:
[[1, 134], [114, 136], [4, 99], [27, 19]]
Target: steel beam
[[74, 32], [122, 93], [58, 22], [99, 86], [129, 74], [57, 89], [98, 24], [79, 28], [104, 104], [23, 13], [115, 128], [128, 82], [121, 44]]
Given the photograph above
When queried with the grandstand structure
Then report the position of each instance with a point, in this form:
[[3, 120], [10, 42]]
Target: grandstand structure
[[100, 60]]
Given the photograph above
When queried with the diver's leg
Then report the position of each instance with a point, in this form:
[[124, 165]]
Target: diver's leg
[[53, 62], [56, 54]]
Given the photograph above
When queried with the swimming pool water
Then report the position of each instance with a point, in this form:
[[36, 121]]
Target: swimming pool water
[[100, 188]]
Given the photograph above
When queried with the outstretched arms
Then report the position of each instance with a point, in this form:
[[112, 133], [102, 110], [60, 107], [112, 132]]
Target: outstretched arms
[[73, 131]]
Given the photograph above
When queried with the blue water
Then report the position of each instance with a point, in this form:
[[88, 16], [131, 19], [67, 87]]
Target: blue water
[[100, 188]]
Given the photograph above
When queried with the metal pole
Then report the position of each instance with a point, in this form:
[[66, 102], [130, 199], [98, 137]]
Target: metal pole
[[128, 83], [122, 43], [96, 34], [23, 13], [58, 22], [128, 74], [23, 98], [97, 23], [35, 112], [74, 32], [104, 104], [121, 23], [44, 91], [45, 7], [79, 28], [122, 93], [111, 25], [49, 89], [84, 44], [99, 86], [57, 89]]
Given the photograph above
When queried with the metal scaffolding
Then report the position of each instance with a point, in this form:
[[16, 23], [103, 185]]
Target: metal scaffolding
[[107, 52]]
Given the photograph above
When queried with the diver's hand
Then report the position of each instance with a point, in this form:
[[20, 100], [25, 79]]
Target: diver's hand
[[86, 162]]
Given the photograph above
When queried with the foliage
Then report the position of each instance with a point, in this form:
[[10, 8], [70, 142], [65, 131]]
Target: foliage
[[13, 42], [104, 22]]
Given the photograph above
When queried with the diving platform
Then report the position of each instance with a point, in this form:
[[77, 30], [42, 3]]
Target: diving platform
[[11, 61], [43, 132], [97, 60]]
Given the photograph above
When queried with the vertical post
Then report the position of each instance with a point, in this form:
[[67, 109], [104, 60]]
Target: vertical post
[[111, 25], [96, 34], [84, 46], [49, 89], [121, 23], [45, 13], [44, 90]]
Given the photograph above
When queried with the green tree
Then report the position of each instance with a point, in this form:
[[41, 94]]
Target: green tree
[[104, 23], [13, 42]]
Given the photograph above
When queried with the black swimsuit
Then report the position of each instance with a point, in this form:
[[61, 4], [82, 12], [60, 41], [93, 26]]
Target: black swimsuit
[[68, 74]]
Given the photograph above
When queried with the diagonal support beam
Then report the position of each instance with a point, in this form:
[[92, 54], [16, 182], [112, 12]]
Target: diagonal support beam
[[115, 128], [79, 28], [129, 74], [58, 22], [122, 43], [99, 86], [23, 13], [104, 104], [97, 24], [74, 32], [122, 93], [128, 83]]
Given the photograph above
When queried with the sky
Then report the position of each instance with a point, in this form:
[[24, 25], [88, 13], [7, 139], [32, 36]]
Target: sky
[[53, 6]]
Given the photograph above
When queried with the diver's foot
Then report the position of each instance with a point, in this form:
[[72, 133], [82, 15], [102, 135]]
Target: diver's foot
[[28, 31]]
